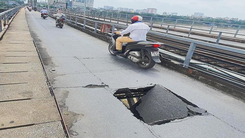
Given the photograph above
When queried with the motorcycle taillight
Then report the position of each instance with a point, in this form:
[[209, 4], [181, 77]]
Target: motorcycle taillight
[[156, 45]]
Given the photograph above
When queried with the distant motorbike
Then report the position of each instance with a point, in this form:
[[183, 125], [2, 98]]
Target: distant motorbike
[[44, 15], [29, 8], [60, 22], [144, 53]]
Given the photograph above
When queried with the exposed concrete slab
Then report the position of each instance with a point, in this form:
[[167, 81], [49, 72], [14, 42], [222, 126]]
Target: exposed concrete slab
[[21, 47], [14, 48], [27, 108], [18, 27], [47, 130], [19, 59], [23, 91], [19, 113], [18, 35], [24, 44], [30, 67], [30, 77], [16, 42], [12, 33], [18, 53]]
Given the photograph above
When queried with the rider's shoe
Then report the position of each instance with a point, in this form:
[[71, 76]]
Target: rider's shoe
[[118, 52]]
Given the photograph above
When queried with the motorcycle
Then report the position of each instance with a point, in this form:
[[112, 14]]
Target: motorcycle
[[60, 22], [144, 53], [29, 8], [44, 15]]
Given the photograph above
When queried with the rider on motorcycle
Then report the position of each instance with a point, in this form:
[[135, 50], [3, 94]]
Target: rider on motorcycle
[[137, 30], [44, 10], [29, 8], [59, 15]]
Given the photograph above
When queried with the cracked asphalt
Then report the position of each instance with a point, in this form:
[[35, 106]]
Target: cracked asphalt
[[84, 77]]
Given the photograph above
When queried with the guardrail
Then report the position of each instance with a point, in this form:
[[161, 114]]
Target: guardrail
[[190, 26], [6, 16], [93, 25]]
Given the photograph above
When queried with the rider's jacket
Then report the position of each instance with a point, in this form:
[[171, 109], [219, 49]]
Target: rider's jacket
[[58, 15], [44, 11], [137, 30]]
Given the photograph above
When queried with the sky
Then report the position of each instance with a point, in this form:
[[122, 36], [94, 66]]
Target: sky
[[210, 8]]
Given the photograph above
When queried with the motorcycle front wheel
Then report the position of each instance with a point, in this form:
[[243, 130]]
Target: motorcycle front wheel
[[111, 49], [147, 62]]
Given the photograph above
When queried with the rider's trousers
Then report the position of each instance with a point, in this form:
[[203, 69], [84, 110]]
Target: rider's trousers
[[121, 40]]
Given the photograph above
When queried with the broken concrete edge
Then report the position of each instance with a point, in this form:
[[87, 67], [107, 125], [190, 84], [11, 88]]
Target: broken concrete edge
[[4, 30], [126, 93], [122, 90], [51, 90]]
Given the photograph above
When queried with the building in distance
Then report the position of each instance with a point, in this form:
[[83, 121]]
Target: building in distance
[[174, 14], [108, 7], [164, 13], [234, 19], [81, 3], [151, 10], [141, 11], [122, 9], [198, 15]]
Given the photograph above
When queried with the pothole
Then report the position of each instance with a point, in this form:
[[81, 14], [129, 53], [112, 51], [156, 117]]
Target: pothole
[[156, 105]]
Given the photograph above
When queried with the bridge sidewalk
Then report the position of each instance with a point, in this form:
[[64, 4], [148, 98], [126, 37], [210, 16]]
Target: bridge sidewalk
[[27, 109]]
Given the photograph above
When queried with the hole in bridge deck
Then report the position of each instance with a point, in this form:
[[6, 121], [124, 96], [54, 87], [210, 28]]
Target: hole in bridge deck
[[157, 105]]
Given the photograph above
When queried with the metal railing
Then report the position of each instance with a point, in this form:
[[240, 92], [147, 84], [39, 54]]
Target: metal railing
[[187, 26], [6, 16]]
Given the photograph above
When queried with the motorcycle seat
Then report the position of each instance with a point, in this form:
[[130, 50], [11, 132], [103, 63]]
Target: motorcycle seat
[[131, 43]]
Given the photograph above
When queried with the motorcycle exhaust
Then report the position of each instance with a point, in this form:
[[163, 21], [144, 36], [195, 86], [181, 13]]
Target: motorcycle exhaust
[[134, 56], [133, 59]]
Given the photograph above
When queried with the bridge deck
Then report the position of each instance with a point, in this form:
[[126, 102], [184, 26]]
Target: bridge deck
[[85, 76], [27, 108]]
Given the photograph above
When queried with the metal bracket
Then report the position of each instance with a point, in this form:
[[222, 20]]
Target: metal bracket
[[189, 55]]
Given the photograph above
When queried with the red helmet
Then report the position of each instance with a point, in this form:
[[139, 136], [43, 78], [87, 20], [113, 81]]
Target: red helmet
[[136, 18]]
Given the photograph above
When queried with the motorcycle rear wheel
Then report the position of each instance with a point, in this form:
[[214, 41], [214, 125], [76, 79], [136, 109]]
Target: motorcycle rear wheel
[[147, 63]]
